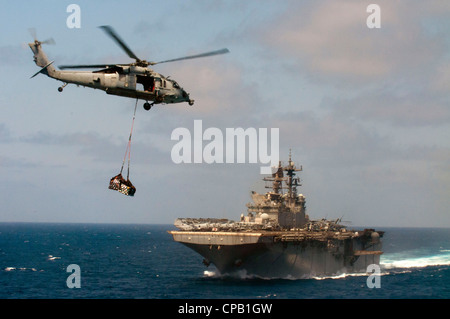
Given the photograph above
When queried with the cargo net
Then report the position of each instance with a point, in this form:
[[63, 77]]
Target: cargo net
[[118, 183]]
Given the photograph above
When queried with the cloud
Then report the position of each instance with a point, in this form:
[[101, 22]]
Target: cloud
[[92, 148], [371, 178], [5, 134], [13, 55], [415, 108], [397, 75], [440, 83], [345, 97], [220, 91], [16, 163], [331, 41], [330, 141]]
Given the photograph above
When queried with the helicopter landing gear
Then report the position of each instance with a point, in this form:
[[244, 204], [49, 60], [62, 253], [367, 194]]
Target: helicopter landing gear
[[60, 89], [191, 102], [148, 106]]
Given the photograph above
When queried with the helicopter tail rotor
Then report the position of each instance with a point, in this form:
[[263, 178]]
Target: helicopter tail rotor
[[40, 58], [36, 41]]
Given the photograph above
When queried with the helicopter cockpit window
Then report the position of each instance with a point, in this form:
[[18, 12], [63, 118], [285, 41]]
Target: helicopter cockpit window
[[175, 85]]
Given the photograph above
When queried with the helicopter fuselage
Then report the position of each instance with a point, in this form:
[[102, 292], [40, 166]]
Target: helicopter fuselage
[[132, 81], [128, 81]]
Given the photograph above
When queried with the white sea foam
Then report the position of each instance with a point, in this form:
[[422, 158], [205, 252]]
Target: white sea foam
[[395, 261], [402, 262], [340, 276], [20, 269], [50, 257], [242, 274], [208, 273]]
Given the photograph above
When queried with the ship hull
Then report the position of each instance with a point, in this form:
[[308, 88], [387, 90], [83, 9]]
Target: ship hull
[[273, 256]]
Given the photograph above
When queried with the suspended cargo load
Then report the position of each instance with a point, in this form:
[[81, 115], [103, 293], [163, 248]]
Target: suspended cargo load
[[118, 183]]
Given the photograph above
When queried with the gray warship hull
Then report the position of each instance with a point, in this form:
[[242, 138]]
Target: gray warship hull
[[277, 239], [288, 254]]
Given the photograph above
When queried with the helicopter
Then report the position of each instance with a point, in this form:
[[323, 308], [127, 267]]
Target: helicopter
[[119, 79]]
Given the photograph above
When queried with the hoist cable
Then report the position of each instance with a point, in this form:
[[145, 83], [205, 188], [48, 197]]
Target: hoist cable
[[128, 150]]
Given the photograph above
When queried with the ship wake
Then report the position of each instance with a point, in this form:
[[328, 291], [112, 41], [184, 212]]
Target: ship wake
[[243, 275], [401, 260]]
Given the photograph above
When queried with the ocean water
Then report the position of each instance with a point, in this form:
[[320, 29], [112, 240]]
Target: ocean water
[[143, 262]]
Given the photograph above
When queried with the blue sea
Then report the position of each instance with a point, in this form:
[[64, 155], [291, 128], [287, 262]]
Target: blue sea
[[143, 262]]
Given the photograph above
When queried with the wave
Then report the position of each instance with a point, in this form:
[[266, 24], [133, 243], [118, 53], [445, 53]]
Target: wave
[[396, 261], [20, 269], [391, 263], [243, 275], [50, 257], [345, 275], [208, 273]]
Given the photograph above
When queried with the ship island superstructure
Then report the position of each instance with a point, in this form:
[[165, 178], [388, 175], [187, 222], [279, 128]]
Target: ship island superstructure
[[277, 239]]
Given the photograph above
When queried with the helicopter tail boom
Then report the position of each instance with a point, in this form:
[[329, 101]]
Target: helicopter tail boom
[[41, 60], [43, 70]]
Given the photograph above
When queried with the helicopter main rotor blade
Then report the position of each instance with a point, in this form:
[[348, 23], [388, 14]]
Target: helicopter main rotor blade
[[110, 31], [222, 51]]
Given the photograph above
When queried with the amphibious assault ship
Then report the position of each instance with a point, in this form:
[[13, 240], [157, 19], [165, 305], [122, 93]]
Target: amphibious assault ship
[[277, 239]]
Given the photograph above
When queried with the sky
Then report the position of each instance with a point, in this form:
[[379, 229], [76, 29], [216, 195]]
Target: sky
[[365, 111]]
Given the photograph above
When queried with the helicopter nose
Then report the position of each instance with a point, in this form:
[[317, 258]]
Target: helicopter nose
[[186, 97]]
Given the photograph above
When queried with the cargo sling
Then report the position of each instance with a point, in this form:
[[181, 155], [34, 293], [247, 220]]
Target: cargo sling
[[118, 183]]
